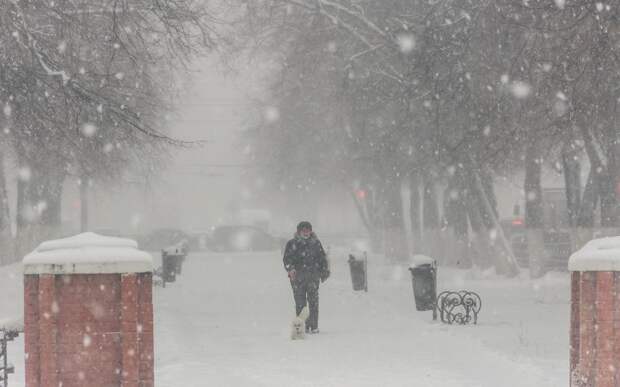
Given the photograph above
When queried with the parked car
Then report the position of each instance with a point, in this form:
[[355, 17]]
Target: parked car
[[242, 238], [198, 240], [161, 238]]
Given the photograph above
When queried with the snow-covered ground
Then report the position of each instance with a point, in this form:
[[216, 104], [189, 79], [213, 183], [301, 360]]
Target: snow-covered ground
[[226, 322]]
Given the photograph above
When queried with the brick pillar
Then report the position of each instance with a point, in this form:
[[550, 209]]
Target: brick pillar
[[129, 330], [31, 329], [48, 330], [574, 320], [88, 318], [145, 330], [595, 314]]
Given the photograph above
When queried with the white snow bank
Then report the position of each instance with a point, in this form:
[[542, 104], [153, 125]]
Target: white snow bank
[[88, 253], [597, 255]]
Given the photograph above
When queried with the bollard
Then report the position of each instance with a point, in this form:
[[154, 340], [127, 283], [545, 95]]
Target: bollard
[[595, 314], [88, 313]]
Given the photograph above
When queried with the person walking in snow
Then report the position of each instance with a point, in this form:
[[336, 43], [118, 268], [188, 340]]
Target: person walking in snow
[[305, 262]]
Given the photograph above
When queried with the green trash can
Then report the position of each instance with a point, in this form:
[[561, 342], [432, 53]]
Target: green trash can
[[359, 272], [424, 281]]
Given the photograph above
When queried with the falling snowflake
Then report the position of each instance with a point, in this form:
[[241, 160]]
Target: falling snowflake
[[136, 220], [406, 42], [89, 129], [41, 207], [62, 47], [560, 108], [24, 173], [272, 114], [531, 196], [520, 89], [107, 148], [332, 47]]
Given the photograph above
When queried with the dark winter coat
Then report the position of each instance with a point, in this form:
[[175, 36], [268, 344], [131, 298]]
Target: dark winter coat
[[306, 257]]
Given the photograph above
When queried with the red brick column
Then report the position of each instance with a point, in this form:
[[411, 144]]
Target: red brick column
[[88, 323], [595, 329], [31, 329], [145, 330], [574, 320], [129, 330], [48, 330]]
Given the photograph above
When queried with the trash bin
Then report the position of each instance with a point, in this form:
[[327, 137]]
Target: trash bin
[[359, 276], [171, 265], [424, 280]]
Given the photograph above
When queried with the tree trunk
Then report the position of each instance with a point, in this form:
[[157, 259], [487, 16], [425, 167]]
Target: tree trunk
[[572, 183], [608, 183], [416, 216], [39, 206], [6, 240], [406, 196], [609, 203], [431, 207], [432, 222], [395, 245], [592, 192], [364, 209], [84, 181], [534, 212], [483, 250], [505, 262], [533, 189], [589, 201], [455, 210]]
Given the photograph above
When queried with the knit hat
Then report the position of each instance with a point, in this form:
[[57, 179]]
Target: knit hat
[[304, 224]]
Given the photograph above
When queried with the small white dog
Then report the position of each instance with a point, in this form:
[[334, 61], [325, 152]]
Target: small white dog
[[298, 326]]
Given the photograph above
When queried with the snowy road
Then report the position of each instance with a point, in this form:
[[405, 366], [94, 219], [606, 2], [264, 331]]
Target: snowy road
[[226, 323]]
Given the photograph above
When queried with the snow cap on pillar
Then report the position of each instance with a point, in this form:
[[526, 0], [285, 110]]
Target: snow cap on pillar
[[597, 255], [88, 253]]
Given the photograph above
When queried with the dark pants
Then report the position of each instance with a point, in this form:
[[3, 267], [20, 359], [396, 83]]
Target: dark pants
[[306, 290]]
